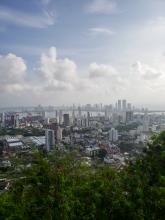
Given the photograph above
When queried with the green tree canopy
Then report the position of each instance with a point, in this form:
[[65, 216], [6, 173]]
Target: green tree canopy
[[62, 187]]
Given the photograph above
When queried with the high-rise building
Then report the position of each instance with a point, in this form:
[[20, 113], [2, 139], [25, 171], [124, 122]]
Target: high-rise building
[[60, 117], [66, 120], [16, 121], [3, 120], [119, 105], [110, 107], [116, 106], [113, 135], [124, 105], [79, 111], [43, 114], [49, 139], [56, 113], [106, 113], [129, 106], [129, 116], [73, 117], [12, 121], [146, 122], [59, 134], [88, 120]]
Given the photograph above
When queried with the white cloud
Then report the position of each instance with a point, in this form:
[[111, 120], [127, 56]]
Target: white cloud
[[12, 69], [158, 22], [101, 6], [59, 79], [106, 78], [18, 18], [146, 72], [62, 74], [54, 74], [58, 73], [58, 69], [12, 73], [101, 71], [102, 31]]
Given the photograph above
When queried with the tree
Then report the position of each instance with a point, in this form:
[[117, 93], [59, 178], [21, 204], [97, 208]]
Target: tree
[[61, 187]]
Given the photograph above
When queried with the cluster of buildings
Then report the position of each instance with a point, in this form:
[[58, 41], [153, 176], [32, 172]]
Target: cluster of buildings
[[120, 130], [9, 120]]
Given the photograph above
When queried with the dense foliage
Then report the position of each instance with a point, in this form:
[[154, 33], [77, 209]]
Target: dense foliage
[[65, 188]]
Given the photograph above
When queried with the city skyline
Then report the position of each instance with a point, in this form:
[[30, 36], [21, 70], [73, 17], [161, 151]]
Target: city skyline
[[91, 51]]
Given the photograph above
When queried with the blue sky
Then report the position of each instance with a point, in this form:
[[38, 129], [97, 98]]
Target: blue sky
[[108, 45]]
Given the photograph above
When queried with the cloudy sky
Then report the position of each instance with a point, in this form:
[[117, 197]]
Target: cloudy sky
[[82, 51]]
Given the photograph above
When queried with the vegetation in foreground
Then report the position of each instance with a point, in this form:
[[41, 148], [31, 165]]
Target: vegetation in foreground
[[64, 188]]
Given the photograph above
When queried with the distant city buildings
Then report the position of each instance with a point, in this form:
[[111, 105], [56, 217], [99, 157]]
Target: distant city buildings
[[113, 131]]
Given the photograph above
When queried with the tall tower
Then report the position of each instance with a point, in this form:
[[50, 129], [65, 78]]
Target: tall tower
[[146, 122], [113, 135], [60, 117], [88, 119], [124, 105], [73, 116], [49, 139], [66, 119], [79, 111], [58, 134], [129, 106], [129, 116], [16, 121], [119, 105], [3, 120], [106, 113]]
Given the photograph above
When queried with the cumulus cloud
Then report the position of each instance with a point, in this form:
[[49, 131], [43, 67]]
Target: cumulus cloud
[[146, 82], [12, 68], [58, 73], [101, 6], [101, 71], [146, 72], [12, 73], [62, 74], [55, 75]]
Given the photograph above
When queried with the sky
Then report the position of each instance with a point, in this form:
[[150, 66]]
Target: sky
[[56, 52]]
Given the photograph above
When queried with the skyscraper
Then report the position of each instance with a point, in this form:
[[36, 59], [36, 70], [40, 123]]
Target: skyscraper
[[129, 106], [79, 111], [58, 134], [113, 135], [16, 121], [88, 119], [60, 117], [66, 119], [129, 116], [119, 105], [49, 139], [124, 105], [3, 120]]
